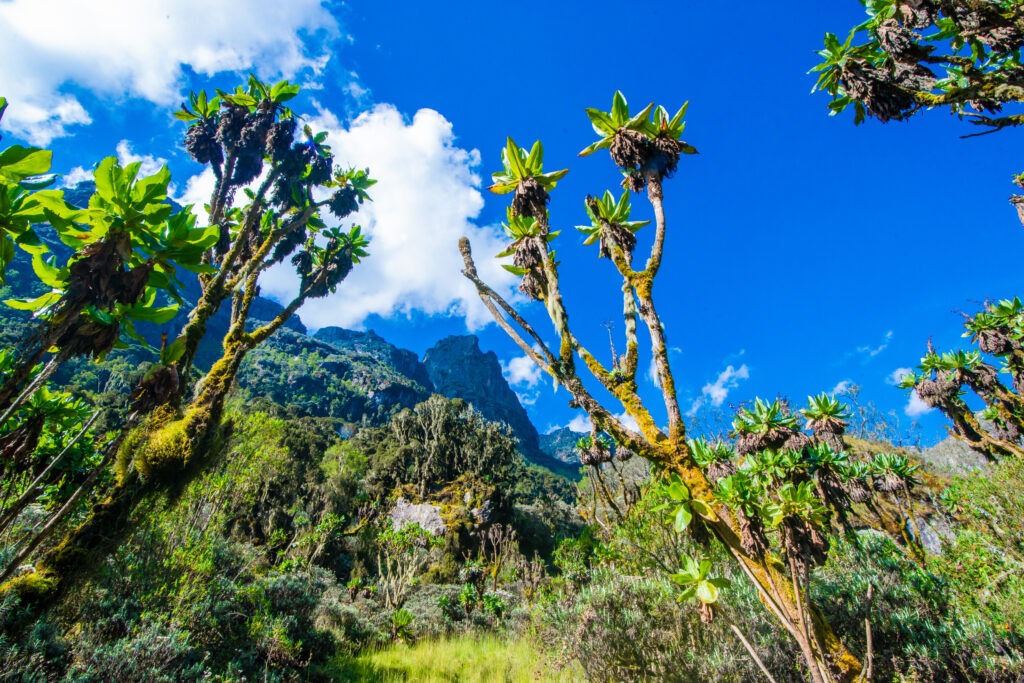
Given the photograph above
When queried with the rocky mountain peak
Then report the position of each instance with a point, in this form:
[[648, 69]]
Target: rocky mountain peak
[[459, 369]]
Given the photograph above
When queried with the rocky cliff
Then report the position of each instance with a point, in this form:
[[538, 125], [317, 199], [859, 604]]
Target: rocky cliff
[[459, 369]]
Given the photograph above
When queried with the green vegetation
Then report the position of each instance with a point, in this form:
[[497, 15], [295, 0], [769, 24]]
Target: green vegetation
[[472, 659], [307, 509]]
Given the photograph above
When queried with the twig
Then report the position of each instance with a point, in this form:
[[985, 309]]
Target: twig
[[752, 653]]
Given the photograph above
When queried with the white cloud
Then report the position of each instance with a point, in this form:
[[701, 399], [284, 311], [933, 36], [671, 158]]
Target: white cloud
[[521, 371], [75, 176], [628, 421], [897, 375], [426, 198], [580, 423], [652, 373], [148, 164], [527, 399], [727, 380], [872, 351], [916, 407], [842, 387], [119, 48], [716, 392]]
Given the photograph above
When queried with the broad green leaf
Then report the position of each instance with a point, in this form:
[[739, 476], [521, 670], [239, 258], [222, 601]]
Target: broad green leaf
[[683, 517], [47, 273], [601, 122], [515, 162], [106, 177], [503, 188], [535, 160], [158, 316], [678, 491], [17, 163], [702, 509], [638, 121], [6, 256], [600, 144], [173, 352], [43, 301], [620, 110], [707, 592]]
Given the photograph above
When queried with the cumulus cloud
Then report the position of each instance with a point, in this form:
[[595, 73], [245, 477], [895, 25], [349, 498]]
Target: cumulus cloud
[[75, 176], [715, 393], [148, 164], [125, 155], [119, 48], [426, 197], [521, 372], [842, 387], [897, 375], [582, 423], [916, 407]]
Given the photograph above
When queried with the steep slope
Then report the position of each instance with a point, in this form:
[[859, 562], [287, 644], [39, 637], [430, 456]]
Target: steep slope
[[459, 369], [561, 445], [355, 376]]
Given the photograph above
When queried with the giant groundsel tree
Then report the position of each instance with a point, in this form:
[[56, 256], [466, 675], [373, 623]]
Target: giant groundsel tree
[[770, 516]]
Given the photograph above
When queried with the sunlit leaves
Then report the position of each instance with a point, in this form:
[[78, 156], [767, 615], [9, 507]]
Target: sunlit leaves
[[518, 165], [697, 583]]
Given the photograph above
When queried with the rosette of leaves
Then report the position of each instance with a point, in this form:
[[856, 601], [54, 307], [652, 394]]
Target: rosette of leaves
[[743, 497], [594, 450], [695, 578], [127, 249], [858, 481], [642, 148], [44, 410], [715, 458], [771, 468], [523, 174], [829, 468], [996, 329], [234, 132], [527, 250], [908, 56], [937, 385], [687, 512], [766, 426], [610, 225], [322, 268], [827, 419], [801, 518], [893, 473]]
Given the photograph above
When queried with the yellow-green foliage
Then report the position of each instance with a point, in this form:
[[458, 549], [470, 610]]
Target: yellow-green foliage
[[167, 450], [30, 586], [466, 659]]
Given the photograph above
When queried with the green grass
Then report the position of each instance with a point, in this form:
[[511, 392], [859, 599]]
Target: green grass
[[465, 659]]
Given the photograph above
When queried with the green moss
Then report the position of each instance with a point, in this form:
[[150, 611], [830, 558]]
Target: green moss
[[31, 587], [167, 450]]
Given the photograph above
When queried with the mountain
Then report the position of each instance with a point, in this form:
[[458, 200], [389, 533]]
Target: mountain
[[459, 369], [561, 445], [355, 376]]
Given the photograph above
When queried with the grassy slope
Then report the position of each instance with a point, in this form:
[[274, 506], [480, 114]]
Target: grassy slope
[[465, 659]]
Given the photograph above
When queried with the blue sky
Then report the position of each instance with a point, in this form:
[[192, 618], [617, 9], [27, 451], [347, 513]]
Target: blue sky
[[802, 252]]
